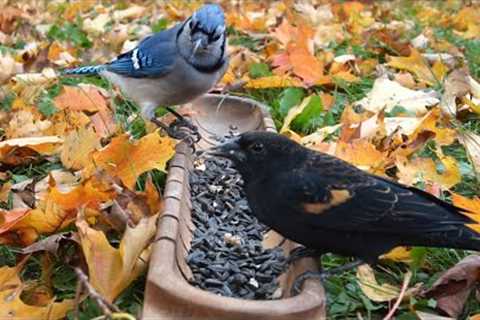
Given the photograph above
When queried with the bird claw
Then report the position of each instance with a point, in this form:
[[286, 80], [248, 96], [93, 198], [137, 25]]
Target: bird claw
[[302, 252], [181, 129], [298, 283]]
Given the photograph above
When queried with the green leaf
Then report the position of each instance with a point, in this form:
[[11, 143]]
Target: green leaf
[[290, 98], [258, 70], [46, 106], [160, 25], [418, 255], [6, 103], [311, 117]]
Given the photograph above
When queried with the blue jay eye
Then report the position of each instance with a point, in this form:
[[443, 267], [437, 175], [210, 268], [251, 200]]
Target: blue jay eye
[[215, 37]]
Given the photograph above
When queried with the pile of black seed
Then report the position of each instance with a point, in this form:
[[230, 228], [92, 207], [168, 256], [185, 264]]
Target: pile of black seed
[[226, 255]]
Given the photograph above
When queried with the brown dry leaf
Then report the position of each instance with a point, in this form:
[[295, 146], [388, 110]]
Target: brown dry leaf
[[128, 159], [77, 148], [372, 289], [12, 306], [111, 270], [8, 17], [457, 85], [415, 63], [452, 289], [86, 98]]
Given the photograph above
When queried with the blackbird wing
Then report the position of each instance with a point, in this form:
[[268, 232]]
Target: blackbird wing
[[342, 197]]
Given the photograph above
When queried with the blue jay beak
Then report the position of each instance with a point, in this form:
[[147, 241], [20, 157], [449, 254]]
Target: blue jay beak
[[200, 41]]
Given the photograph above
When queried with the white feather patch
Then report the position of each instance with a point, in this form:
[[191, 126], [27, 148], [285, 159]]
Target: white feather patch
[[136, 64]]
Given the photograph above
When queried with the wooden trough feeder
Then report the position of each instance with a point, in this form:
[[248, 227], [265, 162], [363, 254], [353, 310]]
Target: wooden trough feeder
[[169, 295]]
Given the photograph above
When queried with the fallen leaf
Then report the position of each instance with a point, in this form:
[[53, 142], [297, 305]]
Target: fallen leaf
[[79, 98], [456, 85], [77, 148], [372, 289], [128, 159], [111, 270], [386, 94], [362, 154], [51, 243], [398, 254], [421, 169], [8, 67], [9, 218], [415, 63], [12, 306], [43, 145], [471, 142], [293, 113], [453, 287], [275, 81]]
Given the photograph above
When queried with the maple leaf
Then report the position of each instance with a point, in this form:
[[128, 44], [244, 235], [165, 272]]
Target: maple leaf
[[416, 64], [111, 270], [128, 159], [13, 307], [77, 148]]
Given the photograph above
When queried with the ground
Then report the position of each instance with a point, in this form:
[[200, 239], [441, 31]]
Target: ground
[[391, 87]]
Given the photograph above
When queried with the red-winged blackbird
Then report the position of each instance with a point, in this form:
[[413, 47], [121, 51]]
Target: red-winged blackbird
[[328, 205]]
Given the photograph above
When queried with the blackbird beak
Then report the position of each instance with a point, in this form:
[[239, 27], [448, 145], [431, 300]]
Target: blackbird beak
[[230, 150]]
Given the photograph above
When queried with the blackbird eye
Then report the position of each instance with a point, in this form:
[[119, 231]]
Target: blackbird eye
[[257, 147]]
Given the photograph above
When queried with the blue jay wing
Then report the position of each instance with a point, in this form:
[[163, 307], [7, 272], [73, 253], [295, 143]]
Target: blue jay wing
[[154, 57]]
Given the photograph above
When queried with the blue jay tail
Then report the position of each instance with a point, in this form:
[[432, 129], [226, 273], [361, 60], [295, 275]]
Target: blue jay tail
[[86, 70]]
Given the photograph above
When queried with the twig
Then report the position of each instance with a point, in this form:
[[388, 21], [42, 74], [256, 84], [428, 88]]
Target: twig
[[106, 306], [78, 294], [406, 281]]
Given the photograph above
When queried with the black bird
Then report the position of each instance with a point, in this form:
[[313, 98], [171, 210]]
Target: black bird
[[328, 205]]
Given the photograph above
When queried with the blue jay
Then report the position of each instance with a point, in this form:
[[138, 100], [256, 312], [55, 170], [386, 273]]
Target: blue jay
[[171, 67]]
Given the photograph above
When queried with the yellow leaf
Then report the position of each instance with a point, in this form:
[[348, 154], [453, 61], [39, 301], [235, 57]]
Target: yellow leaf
[[372, 289], [473, 31], [90, 193], [273, 82], [440, 70], [414, 63], [128, 159], [112, 270], [361, 153], [420, 169], [46, 145], [399, 254], [77, 148], [12, 307]]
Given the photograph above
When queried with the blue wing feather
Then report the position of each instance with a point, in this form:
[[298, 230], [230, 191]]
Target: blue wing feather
[[154, 57]]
